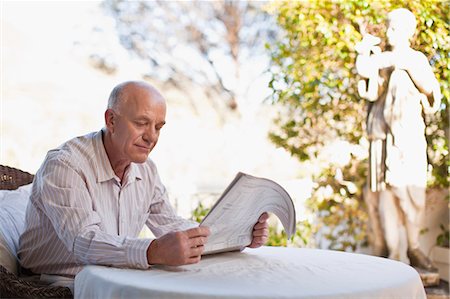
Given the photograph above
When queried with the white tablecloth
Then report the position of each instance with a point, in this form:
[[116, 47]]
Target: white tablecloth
[[266, 272]]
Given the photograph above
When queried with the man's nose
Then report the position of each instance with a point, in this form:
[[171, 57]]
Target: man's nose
[[150, 135]]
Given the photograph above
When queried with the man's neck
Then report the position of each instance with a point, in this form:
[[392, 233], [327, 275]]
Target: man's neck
[[118, 165]]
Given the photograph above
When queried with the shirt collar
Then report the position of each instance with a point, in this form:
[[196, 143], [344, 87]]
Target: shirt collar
[[132, 174], [105, 171]]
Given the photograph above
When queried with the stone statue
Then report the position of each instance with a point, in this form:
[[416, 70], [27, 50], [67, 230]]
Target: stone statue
[[399, 85]]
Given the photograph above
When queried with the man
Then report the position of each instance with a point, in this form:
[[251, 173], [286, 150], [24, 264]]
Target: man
[[92, 196], [401, 86]]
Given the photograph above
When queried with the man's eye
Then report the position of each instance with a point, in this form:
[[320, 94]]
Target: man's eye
[[141, 124]]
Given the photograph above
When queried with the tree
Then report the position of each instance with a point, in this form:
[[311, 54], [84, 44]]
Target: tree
[[197, 43], [314, 80]]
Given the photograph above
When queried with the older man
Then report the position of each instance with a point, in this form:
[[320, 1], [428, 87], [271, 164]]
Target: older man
[[93, 194]]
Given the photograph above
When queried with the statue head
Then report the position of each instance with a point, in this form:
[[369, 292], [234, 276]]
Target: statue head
[[401, 26]]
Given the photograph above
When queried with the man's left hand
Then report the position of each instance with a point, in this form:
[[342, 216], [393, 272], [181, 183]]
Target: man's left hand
[[260, 231]]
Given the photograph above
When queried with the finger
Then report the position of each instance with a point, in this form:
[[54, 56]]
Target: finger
[[258, 241], [197, 251], [261, 233], [255, 244], [193, 260], [197, 241], [198, 232], [263, 218], [261, 225]]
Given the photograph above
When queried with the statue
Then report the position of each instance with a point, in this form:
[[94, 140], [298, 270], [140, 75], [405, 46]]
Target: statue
[[399, 85]]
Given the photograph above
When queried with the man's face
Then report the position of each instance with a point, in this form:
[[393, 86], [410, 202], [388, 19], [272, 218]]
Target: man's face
[[136, 124]]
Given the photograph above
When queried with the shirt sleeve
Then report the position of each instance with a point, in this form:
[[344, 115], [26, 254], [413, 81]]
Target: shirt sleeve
[[67, 203]]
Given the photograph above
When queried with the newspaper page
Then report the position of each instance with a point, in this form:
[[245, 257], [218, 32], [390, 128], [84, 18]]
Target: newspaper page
[[233, 216]]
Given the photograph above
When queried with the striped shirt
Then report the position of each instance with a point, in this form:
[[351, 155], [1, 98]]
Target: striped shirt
[[81, 213]]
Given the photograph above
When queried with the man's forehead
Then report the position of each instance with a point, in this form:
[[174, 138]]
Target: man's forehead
[[141, 96], [144, 108]]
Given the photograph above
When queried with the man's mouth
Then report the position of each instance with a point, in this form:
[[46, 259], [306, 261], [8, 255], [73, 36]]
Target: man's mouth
[[144, 147]]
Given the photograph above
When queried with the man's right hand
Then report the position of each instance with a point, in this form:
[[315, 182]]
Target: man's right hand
[[178, 248]]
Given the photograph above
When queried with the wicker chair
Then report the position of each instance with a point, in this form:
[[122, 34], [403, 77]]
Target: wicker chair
[[12, 286]]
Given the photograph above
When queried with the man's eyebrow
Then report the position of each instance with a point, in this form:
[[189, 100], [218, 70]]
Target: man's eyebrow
[[146, 118]]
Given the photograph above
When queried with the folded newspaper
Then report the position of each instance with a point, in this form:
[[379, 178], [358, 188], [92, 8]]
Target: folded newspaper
[[233, 216]]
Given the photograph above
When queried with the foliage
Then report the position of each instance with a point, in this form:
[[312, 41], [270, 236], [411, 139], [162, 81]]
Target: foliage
[[200, 212], [302, 237], [314, 81], [443, 238], [205, 45], [340, 222], [277, 238]]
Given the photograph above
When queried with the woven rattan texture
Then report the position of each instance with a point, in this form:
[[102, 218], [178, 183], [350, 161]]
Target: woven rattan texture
[[12, 286], [12, 178]]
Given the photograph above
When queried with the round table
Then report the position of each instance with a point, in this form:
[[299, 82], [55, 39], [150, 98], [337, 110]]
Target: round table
[[266, 272]]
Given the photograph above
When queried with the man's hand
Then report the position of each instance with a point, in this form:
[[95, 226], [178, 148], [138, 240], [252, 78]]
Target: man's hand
[[178, 248], [260, 231]]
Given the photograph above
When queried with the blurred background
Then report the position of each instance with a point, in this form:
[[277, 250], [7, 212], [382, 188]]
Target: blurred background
[[60, 60], [266, 88]]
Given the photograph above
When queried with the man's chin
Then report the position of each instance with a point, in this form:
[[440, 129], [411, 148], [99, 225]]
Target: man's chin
[[140, 159]]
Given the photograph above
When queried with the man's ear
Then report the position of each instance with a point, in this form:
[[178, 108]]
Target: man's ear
[[110, 119]]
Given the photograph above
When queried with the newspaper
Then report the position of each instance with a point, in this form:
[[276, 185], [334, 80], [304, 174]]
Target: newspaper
[[233, 216]]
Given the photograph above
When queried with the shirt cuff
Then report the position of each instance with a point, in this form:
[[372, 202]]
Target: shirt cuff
[[136, 252]]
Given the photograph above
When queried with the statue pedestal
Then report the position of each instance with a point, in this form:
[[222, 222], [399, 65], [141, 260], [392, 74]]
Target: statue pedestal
[[441, 259], [428, 278], [438, 292]]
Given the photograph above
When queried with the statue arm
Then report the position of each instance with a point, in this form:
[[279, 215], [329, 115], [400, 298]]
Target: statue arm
[[368, 66], [422, 75], [366, 69]]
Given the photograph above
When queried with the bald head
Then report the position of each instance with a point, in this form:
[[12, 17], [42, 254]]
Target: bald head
[[126, 92]]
